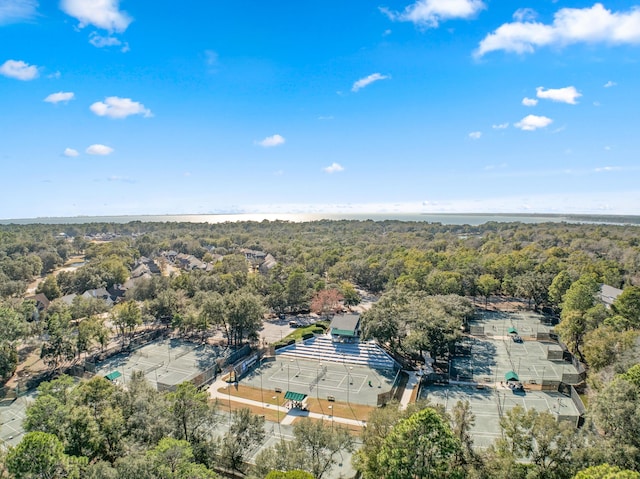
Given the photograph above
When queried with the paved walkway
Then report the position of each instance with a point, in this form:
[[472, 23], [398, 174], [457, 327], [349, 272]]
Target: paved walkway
[[288, 415], [412, 383]]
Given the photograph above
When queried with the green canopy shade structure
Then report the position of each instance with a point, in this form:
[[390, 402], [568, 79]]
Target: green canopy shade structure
[[113, 375], [296, 397], [513, 330], [511, 376]]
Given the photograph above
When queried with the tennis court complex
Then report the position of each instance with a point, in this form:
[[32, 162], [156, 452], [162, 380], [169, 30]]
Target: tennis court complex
[[165, 364], [341, 381], [488, 404]]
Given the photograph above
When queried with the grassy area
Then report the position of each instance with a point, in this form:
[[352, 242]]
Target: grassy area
[[358, 412], [297, 334]]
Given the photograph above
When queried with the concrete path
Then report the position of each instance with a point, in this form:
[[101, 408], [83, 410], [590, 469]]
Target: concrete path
[[288, 415], [412, 383]]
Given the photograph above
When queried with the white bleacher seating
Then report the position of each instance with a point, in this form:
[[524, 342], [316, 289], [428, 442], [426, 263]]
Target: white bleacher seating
[[321, 348]]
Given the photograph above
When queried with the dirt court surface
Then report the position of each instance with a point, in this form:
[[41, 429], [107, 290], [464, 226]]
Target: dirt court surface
[[355, 411]]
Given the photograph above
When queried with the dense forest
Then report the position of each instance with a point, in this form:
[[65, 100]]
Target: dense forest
[[425, 277]]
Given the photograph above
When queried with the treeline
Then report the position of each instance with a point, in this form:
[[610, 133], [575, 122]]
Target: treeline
[[438, 259], [98, 430]]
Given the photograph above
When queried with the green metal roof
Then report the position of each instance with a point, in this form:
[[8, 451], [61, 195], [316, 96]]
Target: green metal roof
[[511, 376], [513, 330], [342, 332], [294, 396], [113, 375]]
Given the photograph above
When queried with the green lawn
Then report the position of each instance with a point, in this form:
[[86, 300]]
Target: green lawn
[[299, 332]]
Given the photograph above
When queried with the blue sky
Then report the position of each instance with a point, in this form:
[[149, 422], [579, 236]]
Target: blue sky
[[141, 107]]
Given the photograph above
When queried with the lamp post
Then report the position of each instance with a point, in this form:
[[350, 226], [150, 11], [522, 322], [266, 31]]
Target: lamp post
[[229, 394], [261, 391], [278, 413], [288, 379]]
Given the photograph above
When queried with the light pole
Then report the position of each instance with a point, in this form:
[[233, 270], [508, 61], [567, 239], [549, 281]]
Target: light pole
[[261, 391], [229, 394], [331, 414], [288, 379], [278, 413]]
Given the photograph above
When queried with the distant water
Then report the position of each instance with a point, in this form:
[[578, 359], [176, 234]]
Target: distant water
[[444, 218]]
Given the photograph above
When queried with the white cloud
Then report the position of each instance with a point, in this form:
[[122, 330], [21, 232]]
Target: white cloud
[[272, 141], [561, 95], [368, 80], [325, 117], [333, 168], [529, 101], [609, 84], [116, 107], [99, 41], [500, 126], [19, 70], [606, 169], [54, 75], [104, 14], [429, 13], [70, 152], [60, 96], [533, 122], [98, 149], [570, 25], [14, 11], [475, 135], [525, 15]]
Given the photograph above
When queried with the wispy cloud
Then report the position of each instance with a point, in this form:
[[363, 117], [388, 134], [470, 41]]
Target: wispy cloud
[[495, 167], [100, 150], [605, 169], [15, 11], [211, 59], [325, 118], [104, 14], [116, 107], [368, 80], [525, 15], [500, 126], [333, 168], [529, 101], [570, 25], [100, 41], [123, 179], [70, 152], [61, 96], [430, 13], [19, 70], [609, 84], [271, 141], [567, 94], [475, 135], [533, 122]]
